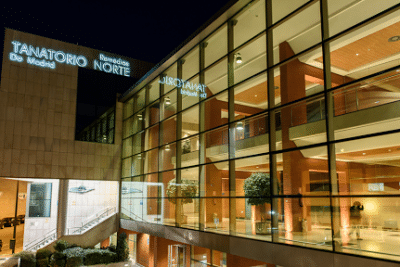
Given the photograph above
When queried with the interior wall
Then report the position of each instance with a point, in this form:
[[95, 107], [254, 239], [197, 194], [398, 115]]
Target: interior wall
[[84, 206], [37, 228]]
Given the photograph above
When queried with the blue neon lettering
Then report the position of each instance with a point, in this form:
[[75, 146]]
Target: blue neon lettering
[[71, 59], [109, 67], [51, 53], [34, 51], [185, 85], [15, 57], [96, 65], [43, 53], [81, 61], [57, 57], [15, 46], [24, 49]]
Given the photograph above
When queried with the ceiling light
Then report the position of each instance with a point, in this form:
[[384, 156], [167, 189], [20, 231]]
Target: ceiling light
[[238, 58], [389, 150], [394, 38], [167, 148], [357, 54], [342, 150], [376, 102], [167, 100], [364, 154], [239, 126], [255, 95]]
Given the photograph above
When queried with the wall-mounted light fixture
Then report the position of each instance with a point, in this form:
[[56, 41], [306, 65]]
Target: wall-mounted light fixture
[[238, 58], [167, 148], [167, 100], [239, 126]]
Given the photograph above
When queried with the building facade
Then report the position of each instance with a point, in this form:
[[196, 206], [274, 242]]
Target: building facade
[[41, 160], [274, 131]]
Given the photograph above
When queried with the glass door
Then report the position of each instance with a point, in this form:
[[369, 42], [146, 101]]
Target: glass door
[[176, 256], [132, 246]]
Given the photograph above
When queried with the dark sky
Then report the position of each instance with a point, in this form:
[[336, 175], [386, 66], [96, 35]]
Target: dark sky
[[145, 30]]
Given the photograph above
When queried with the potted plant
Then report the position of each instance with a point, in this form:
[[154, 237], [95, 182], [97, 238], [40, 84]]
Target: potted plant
[[188, 192], [257, 190]]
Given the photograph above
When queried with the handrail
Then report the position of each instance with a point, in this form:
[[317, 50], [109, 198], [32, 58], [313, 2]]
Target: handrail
[[140, 218], [86, 225], [36, 244]]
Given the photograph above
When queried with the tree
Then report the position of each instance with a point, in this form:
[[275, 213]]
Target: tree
[[122, 247], [188, 191], [257, 190]]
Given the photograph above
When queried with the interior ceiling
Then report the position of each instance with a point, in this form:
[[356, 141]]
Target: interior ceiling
[[371, 48]]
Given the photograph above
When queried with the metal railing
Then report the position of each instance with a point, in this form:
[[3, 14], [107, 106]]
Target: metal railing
[[41, 242], [138, 218], [92, 221]]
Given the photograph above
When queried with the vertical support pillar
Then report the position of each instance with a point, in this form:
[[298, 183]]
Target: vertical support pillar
[[272, 123], [335, 218], [15, 219], [178, 177], [160, 141], [202, 144], [62, 207], [231, 118]]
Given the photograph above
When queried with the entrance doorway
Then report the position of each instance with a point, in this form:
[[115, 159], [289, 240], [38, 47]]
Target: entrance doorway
[[132, 241], [176, 256]]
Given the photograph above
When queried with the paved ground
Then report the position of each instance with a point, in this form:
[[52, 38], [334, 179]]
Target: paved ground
[[6, 234]]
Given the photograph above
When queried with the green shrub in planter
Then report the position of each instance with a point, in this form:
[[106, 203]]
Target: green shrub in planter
[[74, 256], [112, 248], [61, 245], [99, 256], [122, 247], [45, 262], [43, 257], [28, 258], [43, 254], [57, 259], [72, 245]]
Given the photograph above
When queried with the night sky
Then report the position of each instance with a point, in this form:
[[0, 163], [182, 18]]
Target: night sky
[[144, 30]]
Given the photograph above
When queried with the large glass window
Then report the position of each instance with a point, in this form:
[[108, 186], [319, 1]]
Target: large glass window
[[333, 190]]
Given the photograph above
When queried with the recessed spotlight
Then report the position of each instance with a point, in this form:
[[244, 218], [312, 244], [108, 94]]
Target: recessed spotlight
[[364, 154], [255, 95], [394, 38], [397, 70], [389, 150], [357, 54], [376, 102], [342, 150], [257, 167]]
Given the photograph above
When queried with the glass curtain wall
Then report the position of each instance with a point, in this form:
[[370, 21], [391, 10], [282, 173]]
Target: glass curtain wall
[[282, 125]]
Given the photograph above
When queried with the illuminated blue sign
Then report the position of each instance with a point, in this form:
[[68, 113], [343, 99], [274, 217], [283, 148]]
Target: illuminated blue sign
[[44, 57], [112, 65], [187, 88], [47, 58]]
